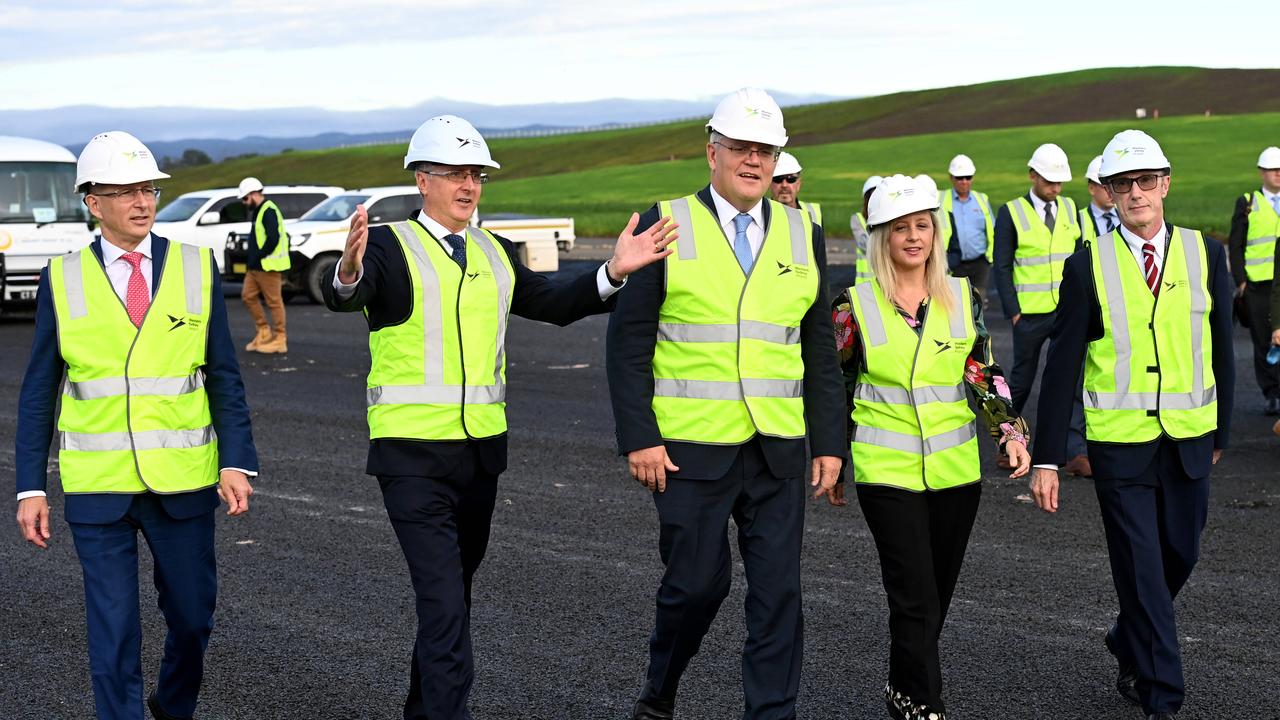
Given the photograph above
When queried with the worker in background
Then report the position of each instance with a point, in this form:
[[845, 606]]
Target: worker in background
[[785, 189], [1254, 226], [437, 296], [911, 341], [1146, 316], [861, 234], [264, 276], [970, 243], [1034, 235], [1099, 216], [132, 363], [721, 372]]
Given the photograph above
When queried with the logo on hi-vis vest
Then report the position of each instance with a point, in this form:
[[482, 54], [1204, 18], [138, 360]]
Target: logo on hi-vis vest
[[1171, 284], [176, 322], [942, 346], [473, 275], [797, 270]]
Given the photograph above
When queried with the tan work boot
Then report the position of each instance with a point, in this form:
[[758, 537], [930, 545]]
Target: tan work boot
[[277, 344], [263, 335]]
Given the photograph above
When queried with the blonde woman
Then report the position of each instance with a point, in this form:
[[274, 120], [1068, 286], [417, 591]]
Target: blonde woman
[[910, 341]]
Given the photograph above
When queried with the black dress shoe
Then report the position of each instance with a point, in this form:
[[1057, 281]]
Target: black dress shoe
[[1160, 716], [157, 712], [654, 709], [1127, 676]]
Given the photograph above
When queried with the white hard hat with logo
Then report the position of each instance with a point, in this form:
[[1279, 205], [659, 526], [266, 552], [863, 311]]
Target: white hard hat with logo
[[1091, 172], [872, 183], [448, 140], [1131, 150], [961, 166], [750, 115], [787, 165], [1270, 159], [1050, 162], [899, 196], [248, 185], [116, 158]]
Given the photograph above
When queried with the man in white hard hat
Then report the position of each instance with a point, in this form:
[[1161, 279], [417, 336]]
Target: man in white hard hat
[[785, 188], [1254, 226], [862, 232], [267, 261], [437, 295], [1146, 317], [1099, 216], [1034, 235], [721, 364], [969, 249], [132, 348]]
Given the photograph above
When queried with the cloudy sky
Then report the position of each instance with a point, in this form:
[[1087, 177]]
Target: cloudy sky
[[393, 53]]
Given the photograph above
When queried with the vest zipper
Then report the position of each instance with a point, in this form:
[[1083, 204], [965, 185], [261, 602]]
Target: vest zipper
[[462, 356], [128, 358], [911, 381]]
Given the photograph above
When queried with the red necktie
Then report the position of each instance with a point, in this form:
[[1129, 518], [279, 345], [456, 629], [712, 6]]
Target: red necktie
[[138, 298], [1149, 266]]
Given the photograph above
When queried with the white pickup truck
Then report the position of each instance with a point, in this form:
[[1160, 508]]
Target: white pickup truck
[[41, 215]]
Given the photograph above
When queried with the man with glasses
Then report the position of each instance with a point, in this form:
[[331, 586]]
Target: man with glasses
[[268, 259], [721, 364], [1252, 241], [969, 249], [132, 348], [785, 188], [1146, 316], [437, 296]]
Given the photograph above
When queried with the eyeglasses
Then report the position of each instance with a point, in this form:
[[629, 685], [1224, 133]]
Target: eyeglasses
[[458, 177], [788, 179], [129, 194], [962, 178], [1123, 185], [761, 151]]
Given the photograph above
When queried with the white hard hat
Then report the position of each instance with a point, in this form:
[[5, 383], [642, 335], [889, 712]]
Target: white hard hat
[[872, 183], [1270, 158], [1091, 172], [787, 165], [248, 185], [750, 115], [928, 182], [961, 166], [1051, 163], [899, 196], [1131, 150], [448, 140], [116, 158]]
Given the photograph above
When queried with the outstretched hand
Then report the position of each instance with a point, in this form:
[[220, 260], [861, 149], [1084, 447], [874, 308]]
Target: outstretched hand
[[634, 251], [353, 253]]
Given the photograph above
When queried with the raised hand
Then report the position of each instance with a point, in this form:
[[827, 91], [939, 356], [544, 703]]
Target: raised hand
[[633, 252], [353, 253]]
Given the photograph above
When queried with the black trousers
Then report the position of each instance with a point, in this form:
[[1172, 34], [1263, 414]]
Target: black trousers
[[694, 545], [442, 524], [921, 539], [977, 270], [1257, 297]]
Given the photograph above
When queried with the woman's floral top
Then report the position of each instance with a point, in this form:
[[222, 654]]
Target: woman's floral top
[[985, 378]]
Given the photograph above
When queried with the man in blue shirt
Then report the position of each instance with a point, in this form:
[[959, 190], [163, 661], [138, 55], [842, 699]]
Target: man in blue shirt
[[969, 246]]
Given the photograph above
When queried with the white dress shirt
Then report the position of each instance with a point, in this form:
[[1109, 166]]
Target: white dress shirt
[[1039, 204], [726, 213], [1100, 217], [438, 231]]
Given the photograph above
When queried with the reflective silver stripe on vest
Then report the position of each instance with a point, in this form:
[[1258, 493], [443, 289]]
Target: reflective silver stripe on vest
[[1259, 261], [143, 440], [117, 386], [727, 389], [1253, 201], [73, 284], [1037, 287], [917, 396], [432, 322], [872, 324], [1262, 241], [813, 214], [686, 249], [912, 443], [1150, 400], [963, 307], [1199, 306], [795, 223], [1116, 310], [1023, 224], [435, 394], [504, 282], [191, 278], [983, 204], [1041, 259], [724, 332]]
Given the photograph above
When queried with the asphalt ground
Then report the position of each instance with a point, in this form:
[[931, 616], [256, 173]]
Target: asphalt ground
[[316, 620]]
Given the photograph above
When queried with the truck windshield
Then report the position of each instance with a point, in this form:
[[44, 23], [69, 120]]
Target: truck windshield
[[336, 208], [40, 192], [181, 209]]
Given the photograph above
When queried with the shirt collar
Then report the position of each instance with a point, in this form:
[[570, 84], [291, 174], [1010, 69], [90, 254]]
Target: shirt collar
[[1039, 204], [1100, 213], [437, 230], [112, 253], [1136, 242], [1269, 196], [726, 212], [955, 196]]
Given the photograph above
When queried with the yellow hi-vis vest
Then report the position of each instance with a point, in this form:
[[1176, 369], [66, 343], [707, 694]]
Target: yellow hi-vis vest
[[984, 204], [1038, 259], [913, 428], [727, 364], [134, 416], [861, 243], [442, 374], [814, 210], [278, 260], [1260, 242], [1152, 369]]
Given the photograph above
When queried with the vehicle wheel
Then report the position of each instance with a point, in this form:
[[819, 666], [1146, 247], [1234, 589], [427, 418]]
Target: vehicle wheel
[[318, 272]]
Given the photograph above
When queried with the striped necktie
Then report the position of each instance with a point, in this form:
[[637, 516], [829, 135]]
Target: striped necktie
[[1149, 267]]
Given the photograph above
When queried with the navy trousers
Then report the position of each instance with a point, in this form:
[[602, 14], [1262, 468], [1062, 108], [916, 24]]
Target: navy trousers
[[1029, 337], [694, 546], [186, 579], [442, 524], [1153, 524]]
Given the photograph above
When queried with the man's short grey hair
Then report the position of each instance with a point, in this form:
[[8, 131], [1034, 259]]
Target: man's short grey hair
[[714, 136]]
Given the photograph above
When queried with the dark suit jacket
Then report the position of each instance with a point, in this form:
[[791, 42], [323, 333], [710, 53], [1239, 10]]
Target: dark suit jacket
[[1005, 244], [386, 294], [43, 379], [1079, 322], [633, 332]]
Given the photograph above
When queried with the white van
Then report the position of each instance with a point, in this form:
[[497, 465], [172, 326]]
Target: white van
[[41, 214], [206, 217]]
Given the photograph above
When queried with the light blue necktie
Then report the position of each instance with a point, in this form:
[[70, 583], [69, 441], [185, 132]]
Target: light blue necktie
[[1275, 202], [741, 247]]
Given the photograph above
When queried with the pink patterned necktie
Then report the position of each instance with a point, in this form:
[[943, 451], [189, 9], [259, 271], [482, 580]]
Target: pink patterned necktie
[[1149, 266], [138, 298]]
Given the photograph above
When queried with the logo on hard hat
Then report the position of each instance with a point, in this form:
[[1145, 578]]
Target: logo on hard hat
[[135, 155], [758, 112], [463, 142], [899, 193], [1134, 150]]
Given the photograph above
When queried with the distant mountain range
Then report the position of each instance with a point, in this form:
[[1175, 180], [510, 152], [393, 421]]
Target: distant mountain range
[[223, 133]]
